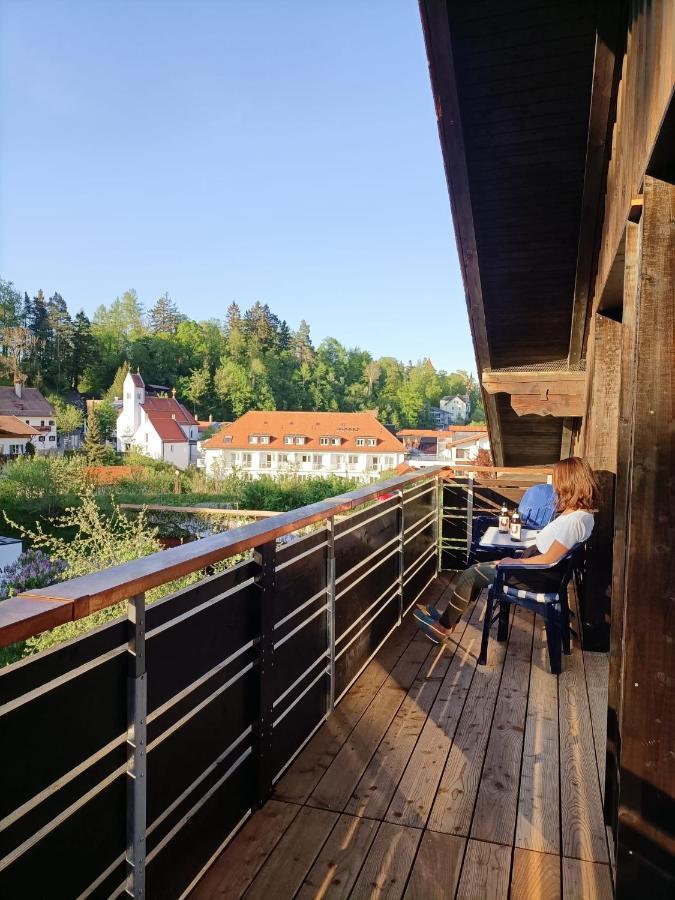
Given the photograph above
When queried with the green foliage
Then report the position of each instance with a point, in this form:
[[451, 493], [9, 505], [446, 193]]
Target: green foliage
[[93, 448], [250, 360], [105, 415], [68, 417]]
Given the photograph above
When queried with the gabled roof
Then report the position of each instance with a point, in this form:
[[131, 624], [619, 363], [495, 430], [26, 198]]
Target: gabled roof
[[30, 403], [168, 406], [137, 380], [14, 427], [167, 428], [310, 425]]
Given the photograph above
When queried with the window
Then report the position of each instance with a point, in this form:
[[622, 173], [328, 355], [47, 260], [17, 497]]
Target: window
[[388, 462], [372, 442], [299, 440], [52, 437], [265, 460], [325, 441], [337, 441], [170, 448], [41, 438], [253, 438], [288, 439], [316, 461], [461, 454], [51, 421], [246, 459], [353, 459], [14, 448], [282, 458], [27, 422], [360, 442], [264, 438], [227, 439], [305, 457], [42, 423]]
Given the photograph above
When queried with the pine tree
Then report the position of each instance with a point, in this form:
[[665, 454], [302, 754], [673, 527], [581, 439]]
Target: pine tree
[[302, 344], [164, 316], [93, 449], [83, 348], [116, 389]]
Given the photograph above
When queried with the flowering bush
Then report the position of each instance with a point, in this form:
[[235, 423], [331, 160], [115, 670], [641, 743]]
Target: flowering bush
[[33, 569]]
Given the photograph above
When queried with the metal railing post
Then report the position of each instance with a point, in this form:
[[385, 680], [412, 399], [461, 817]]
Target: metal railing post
[[265, 557], [330, 609], [401, 553], [469, 516], [136, 748], [437, 522]]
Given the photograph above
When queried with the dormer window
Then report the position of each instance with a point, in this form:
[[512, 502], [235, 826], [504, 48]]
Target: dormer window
[[227, 438], [330, 441], [288, 439], [360, 442], [295, 439], [253, 438], [259, 438], [372, 442]]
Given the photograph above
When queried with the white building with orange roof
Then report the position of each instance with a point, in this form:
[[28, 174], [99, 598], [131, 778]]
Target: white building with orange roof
[[160, 427], [306, 444]]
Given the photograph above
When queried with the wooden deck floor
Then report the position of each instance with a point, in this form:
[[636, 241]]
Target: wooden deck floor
[[438, 778]]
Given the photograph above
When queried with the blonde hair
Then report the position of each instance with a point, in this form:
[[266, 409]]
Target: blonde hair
[[575, 484]]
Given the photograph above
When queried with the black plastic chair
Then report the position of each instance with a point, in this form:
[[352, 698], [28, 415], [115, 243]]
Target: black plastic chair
[[543, 590]]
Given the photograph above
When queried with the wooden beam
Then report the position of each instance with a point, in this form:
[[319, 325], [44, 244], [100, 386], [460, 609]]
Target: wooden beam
[[559, 405], [538, 393], [646, 844], [438, 42]]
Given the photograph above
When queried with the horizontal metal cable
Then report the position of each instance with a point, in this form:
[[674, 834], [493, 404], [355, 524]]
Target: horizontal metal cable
[[379, 515], [370, 658], [421, 528], [369, 572], [298, 609], [289, 562], [369, 622], [195, 610], [413, 602], [299, 679], [366, 559], [432, 512], [302, 745], [299, 697], [297, 628], [413, 568], [384, 593], [409, 499]]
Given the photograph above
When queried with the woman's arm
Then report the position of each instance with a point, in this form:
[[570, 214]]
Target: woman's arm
[[555, 552]]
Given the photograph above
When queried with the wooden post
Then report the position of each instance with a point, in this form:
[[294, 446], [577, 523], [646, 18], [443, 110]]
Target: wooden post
[[646, 844], [265, 557], [330, 610]]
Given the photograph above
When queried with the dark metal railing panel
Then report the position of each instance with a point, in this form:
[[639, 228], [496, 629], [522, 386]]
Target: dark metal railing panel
[[454, 545], [299, 719], [362, 645]]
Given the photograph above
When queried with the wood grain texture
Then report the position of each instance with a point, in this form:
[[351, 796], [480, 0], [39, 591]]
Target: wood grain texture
[[239, 863], [344, 773], [494, 817], [453, 807], [583, 880], [339, 863], [535, 876], [583, 828], [485, 872], [388, 863], [437, 866], [538, 826], [596, 666], [414, 798], [294, 855]]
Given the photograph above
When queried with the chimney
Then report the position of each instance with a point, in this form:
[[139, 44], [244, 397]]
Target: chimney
[[18, 388]]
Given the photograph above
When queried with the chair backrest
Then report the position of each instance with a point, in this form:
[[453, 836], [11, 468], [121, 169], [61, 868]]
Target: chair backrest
[[538, 506]]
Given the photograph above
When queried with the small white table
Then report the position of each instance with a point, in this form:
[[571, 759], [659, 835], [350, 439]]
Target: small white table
[[493, 538]]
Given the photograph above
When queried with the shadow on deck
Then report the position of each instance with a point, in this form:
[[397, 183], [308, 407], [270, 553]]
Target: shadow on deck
[[438, 778]]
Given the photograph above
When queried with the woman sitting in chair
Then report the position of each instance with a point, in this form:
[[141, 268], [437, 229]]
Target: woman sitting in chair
[[577, 490]]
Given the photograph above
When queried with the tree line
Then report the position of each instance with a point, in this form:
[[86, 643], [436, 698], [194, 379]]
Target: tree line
[[248, 360]]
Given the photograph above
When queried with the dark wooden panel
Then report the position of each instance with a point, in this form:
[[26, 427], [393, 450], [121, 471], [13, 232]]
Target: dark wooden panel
[[417, 546], [298, 723], [298, 545], [350, 606], [453, 529], [365, 645], [299, 652], [296, 583], [352, 548], [413, 588]]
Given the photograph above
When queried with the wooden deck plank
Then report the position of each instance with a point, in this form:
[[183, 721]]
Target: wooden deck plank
[[299, 781], [485, 872], [239, 863], [388, 863], [494, 817], [437, 866], [286, 868], [414, 798], [538, 823], [583, 828], [453, 807], [344, 773], [339, 863], [583, 880], [535, 876], [596, 666]]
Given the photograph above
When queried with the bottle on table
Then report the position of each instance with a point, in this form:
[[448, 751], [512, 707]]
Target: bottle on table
[[515, 528], [504, 520]]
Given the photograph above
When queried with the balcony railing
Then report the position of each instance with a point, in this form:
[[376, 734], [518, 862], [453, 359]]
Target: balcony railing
[[145, 743]]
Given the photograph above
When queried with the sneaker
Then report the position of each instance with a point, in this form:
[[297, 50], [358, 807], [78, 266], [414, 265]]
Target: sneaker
[[430, 627]]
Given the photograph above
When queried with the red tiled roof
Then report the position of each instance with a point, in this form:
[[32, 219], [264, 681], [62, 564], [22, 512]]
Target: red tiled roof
[[31, 403], [137, 380], [168, 406], [421, 432], [13, 427], [310, 425], [168, 429]]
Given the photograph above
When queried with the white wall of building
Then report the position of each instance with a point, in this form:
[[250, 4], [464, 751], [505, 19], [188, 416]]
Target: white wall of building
[[10, 551], [306, 464]]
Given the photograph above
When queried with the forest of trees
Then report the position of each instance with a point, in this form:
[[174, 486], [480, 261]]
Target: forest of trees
[[249, 360]]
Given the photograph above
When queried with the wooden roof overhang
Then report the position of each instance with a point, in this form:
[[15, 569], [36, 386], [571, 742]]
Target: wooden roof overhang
[[512, 82]]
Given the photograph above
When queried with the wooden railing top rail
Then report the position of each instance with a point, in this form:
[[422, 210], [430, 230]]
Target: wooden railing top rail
[[38, 610]]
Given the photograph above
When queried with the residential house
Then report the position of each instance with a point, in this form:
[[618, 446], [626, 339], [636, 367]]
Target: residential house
[[30, 407], [307, 444], [160, 427], [450, 411], [14, 435], [465, 449], [457, 442]]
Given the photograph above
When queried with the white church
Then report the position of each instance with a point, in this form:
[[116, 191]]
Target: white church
[[160, 427]]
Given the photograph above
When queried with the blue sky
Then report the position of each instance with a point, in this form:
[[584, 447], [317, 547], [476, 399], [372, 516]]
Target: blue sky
[[232, 150]]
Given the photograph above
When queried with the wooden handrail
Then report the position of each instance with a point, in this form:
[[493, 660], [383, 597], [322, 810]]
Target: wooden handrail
[[35, 611]]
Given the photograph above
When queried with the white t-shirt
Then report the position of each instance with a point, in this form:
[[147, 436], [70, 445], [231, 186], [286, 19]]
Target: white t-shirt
[[568, 529]]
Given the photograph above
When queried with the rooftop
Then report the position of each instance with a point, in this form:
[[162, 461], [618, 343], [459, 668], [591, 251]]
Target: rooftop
[[31, 402]]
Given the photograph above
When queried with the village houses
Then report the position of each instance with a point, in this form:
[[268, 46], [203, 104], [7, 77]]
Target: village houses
[[26, 416], [306, 444]]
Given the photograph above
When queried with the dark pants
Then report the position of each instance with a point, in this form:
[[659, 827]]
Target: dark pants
[[469, 585]]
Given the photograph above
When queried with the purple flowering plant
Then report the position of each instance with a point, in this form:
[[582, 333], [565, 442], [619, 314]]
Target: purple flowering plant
[[33, 569]]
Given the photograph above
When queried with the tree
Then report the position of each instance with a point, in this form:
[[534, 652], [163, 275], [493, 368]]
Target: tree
[[93, 448], [197, 388], [106, 418], [83, 348], [164, 316], [10, 305], [116, 389], [67, 416], [302, 344], [58, 347]]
